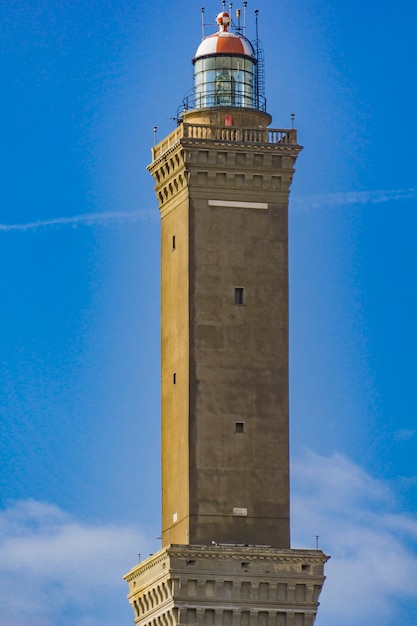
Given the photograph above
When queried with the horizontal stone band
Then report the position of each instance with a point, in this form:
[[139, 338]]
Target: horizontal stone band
[[238, 205]]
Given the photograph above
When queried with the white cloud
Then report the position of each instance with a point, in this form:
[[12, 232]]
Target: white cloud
[[373, 547], [404, 434], [85, 218], [56, 571], [339, 199]]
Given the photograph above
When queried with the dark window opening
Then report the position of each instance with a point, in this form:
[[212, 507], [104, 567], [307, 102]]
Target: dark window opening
[[173, 242], [174, 378], [238, 295], [239, 427]]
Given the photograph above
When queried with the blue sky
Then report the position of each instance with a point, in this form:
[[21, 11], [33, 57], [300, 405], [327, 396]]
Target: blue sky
[[83, 85]]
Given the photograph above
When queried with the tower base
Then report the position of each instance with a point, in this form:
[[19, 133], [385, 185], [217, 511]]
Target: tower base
[[227, 585]]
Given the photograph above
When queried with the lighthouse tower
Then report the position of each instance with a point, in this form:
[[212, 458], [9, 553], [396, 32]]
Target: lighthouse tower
[[222, 181]]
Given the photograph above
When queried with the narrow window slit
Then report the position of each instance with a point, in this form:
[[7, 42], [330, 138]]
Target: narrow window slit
[[239, 295]]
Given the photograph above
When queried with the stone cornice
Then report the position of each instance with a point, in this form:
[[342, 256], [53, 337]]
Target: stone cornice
[[223, 552], [247, 552]]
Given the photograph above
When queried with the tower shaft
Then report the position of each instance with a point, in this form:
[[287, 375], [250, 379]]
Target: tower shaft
[[223, 195]]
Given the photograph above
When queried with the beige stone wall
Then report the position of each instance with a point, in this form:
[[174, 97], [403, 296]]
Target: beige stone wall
[[238, 116], [223, 586], [175, 372]]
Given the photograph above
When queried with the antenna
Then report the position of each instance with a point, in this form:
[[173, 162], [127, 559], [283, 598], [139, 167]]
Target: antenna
[[238, 20], [155, 128], [202, 22], [259, 68], [292, 119], [257, 59], [317, 542], [245, 4]]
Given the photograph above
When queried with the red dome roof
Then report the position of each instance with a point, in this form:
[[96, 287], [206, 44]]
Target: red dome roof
[[224, 42]]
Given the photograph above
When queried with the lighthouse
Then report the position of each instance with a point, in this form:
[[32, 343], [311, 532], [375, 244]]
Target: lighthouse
[[222, 181]]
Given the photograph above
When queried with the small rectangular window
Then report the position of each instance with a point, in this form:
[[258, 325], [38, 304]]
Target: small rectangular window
[[173, 242], [174, 378], [239, 427], [238, 295]]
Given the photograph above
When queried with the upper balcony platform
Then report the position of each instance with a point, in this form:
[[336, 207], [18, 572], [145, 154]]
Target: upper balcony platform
[[225, 134]]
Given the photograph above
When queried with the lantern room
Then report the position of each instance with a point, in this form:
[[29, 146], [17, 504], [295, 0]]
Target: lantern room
[[225, 71]]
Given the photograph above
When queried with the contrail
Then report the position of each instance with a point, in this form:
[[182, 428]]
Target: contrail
[[302, 203], [352, 197], [84, 218]]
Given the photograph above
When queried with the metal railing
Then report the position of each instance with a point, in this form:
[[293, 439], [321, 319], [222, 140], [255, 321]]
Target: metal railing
[[212, 97]]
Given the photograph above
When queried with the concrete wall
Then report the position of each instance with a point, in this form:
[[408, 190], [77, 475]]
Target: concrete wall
[[239, 375]]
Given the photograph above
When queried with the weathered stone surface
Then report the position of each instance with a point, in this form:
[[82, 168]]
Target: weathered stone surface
[[225, 228]]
